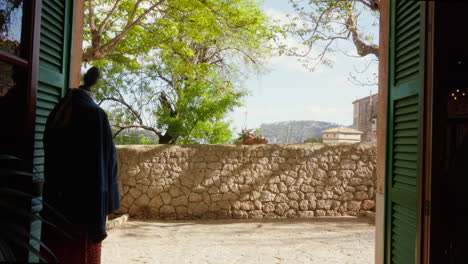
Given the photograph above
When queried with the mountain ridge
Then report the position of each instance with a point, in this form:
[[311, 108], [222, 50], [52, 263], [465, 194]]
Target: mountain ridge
[[294, 131]]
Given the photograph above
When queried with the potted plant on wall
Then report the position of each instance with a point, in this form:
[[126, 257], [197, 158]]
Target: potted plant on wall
[[247, 137]]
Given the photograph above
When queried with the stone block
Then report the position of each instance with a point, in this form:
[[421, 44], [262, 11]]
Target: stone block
[[214, 207], [234, 188], [354, 206], [258, 205], [224, 205], [156, 202], [181, 210], [206, 198], [175, 192], [324, 204], [237, 214], [215, 165], [127, 200], [246, 206], [268, 207], [289, 181], [224, 188], [294, 205], [213, 190], [245, 188], [281, 208], [281, 198], [320, 174], [143, 200], [135, 193], [178, 201], [306, 188], [153, 191], [216, 197], [230, 196], [282, 187], [368, 205], [197, 209], [166, 211], [348, 165], [360, 196], [320, 213], [294, 196], [305, 214], [256, 214], [348, 196], [166, 198], [267, 196]]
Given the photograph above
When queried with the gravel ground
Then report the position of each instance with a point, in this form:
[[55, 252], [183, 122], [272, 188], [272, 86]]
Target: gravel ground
[[295, 241]]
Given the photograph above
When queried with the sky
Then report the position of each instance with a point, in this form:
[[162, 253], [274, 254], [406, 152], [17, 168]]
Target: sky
[[291, 92]]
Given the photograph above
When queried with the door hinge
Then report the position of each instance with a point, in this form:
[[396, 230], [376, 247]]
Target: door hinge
[[427, 208]]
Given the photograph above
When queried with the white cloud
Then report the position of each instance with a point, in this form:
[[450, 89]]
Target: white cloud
[[291, 63], [288, 63], [277, 15]]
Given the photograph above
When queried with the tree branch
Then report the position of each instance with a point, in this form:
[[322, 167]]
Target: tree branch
[[128, 106], [362, 48], [159, 134], [115, 41], [96, 50], [92, 24], [374, 5], [105, 22]]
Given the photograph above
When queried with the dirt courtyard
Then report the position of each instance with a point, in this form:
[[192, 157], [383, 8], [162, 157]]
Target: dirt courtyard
[[314, 240]]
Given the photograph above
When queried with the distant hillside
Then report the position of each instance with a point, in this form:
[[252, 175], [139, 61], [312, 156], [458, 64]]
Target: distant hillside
[[298, 130]]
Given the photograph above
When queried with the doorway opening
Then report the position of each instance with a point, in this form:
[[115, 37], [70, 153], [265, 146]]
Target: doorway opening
[[446, 187]]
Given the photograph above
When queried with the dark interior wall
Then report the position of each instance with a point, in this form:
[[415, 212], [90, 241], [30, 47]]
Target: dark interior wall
[[450, 129]]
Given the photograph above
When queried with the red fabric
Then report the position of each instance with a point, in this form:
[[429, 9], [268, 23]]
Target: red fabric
[[80, 250]]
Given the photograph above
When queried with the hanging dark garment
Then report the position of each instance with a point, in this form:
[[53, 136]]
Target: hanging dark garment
[[80, 166], [457, 247]]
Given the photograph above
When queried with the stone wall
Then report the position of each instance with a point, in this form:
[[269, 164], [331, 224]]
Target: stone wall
[[262, 181]]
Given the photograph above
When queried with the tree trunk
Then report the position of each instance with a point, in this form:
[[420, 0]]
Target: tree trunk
[[166, 139]]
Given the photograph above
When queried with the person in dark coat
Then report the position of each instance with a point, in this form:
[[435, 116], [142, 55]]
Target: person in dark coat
[[80, 174]]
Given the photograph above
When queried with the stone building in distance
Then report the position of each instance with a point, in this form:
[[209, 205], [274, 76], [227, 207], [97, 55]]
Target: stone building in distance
[[365, 117], [341, 135]]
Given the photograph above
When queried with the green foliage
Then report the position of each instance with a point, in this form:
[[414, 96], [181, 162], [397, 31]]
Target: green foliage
[[125, 30], [179, 75], [134, 139], [217, 132], [313, 140]]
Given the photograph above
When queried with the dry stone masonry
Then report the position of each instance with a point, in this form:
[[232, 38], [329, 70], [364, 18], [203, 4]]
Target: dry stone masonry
[[259, 181]]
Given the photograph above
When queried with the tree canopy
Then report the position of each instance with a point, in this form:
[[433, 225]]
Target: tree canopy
[[175, 67]]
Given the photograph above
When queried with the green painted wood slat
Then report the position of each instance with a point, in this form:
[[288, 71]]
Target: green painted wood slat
[[403, 130], [54, 70]]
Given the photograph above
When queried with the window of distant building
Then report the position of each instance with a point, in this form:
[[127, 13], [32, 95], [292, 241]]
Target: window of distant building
[[374, 125]]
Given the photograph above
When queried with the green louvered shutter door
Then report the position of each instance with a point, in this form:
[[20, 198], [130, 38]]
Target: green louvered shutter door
[[54, 66], [406, 80], [54, 72]]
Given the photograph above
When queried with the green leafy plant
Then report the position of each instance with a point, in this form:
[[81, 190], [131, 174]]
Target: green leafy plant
[[15, 192], [176, 68], [247, 137]]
